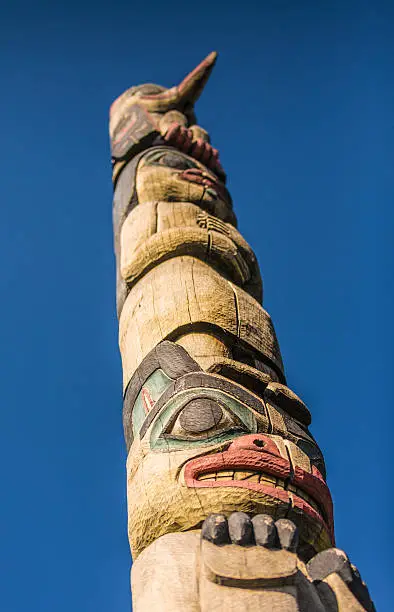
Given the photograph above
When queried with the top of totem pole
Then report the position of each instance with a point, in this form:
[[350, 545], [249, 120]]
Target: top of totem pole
[[150, 115], [226, 485], [156, 98]]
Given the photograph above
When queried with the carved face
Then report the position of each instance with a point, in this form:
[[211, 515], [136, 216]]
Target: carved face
[[203, 444], [165, 174]]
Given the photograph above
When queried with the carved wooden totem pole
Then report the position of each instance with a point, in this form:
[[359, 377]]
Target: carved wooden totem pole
[[228, 508]]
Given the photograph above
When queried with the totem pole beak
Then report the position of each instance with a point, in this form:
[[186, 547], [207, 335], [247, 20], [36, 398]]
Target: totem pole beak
[[190, 89], [186, 93]]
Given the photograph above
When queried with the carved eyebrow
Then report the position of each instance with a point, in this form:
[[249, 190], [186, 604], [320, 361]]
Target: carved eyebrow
[[201, 382], [155, 156]]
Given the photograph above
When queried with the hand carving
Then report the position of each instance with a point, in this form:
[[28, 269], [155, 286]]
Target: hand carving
[[260, 554], [183, 139]]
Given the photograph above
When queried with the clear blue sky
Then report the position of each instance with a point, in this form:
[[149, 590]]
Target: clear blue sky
[[301, 107]]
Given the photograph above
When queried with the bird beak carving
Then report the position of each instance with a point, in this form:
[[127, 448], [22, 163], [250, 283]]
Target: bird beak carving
[[183, 95]]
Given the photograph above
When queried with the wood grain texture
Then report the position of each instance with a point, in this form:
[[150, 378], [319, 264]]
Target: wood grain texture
[[181, 294], [227, 499], [165, 575], [161, 230], [205, 347], [179, 573]]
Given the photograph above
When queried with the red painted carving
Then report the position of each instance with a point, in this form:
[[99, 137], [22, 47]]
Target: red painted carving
[[264, 457], [182, 138], [147, 400]]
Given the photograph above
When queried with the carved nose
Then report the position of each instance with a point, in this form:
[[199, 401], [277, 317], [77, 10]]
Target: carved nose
[[255, 442]]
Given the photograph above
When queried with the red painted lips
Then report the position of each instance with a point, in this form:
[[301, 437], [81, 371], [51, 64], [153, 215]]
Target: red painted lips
[[260, 454]]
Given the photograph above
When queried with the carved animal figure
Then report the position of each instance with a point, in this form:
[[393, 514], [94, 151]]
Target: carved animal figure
[[228, 507]]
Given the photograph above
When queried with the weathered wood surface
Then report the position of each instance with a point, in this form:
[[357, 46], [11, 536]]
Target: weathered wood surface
[[228, 508], [182, 295], [224, 576]]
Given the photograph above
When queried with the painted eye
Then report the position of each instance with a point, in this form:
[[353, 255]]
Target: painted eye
[[201, 418]]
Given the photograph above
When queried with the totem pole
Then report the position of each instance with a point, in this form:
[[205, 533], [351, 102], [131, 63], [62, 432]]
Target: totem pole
[[228, 508]]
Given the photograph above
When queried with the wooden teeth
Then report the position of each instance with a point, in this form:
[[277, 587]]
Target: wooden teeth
[[253, 476]]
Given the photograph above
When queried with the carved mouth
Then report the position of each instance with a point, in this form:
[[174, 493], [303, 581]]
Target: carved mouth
[[268, 474], [261, 478]]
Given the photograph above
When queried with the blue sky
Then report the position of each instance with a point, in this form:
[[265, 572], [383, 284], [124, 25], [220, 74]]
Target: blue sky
[[300, 105]]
